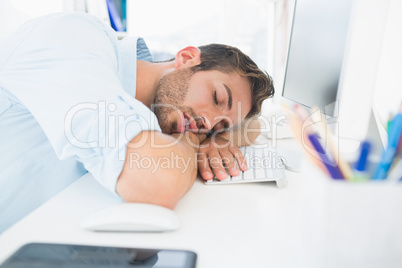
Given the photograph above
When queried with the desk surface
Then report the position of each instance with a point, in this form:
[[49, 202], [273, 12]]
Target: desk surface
[[244, 225], [252, 225], [241, 225]]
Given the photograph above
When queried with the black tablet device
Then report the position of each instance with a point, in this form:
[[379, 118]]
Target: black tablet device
[[77, 256]]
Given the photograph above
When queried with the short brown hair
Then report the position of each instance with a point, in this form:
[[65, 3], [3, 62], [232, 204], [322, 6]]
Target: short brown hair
[[227, 59]]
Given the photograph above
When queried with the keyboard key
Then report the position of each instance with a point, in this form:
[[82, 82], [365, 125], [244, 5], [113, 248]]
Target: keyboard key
[[227, 179], [248, 174], [259, 152], [260, 173], [270, 174], [238, 177]]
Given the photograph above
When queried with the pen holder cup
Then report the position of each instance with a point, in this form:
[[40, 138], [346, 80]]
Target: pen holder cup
[[349, 224]]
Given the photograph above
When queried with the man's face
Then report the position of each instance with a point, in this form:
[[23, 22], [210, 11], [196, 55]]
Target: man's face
[[201, 101]]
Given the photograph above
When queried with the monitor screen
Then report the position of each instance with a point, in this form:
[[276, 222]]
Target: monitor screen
[[316, 53]]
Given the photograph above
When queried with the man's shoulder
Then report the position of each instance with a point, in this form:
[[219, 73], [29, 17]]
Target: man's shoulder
[[71, 34]]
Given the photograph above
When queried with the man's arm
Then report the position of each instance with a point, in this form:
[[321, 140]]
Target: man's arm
[[159, 169]]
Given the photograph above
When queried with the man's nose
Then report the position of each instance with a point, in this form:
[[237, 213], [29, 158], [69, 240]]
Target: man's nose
[[215, 123], [204, 122], [221, 125]]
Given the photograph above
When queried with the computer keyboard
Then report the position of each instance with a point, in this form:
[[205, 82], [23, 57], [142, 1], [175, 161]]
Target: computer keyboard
[[264, 164]]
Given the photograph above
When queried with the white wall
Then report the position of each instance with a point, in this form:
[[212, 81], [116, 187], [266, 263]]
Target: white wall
[[168, 26], [388, 92], [14, 13]]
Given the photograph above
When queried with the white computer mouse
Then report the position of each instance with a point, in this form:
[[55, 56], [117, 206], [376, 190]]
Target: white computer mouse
[[132, 217]]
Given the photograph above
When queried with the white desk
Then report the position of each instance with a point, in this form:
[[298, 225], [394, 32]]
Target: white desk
[[247, 225], [251, 225], [243, 225]]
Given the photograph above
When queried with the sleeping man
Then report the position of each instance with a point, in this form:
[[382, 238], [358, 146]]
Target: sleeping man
[[74, 99]]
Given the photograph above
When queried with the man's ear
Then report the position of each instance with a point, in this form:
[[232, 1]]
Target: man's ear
[[187, 57]]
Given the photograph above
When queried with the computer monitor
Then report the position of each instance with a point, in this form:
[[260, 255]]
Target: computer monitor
[[332, 63], [316, 53]]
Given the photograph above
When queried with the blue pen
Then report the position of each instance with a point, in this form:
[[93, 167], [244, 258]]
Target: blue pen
[[389, 154], [361, 164], [329, 164]]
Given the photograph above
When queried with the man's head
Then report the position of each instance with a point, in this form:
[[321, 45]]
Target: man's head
[[212, 87]]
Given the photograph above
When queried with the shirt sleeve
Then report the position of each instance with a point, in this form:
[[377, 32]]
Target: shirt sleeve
[[64, 69]]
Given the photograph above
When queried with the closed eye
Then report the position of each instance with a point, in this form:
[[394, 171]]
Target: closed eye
[[215, 98]]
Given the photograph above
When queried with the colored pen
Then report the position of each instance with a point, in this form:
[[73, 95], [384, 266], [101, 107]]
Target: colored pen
[[296, 122], [360, 168], [389, 153], [329, 164], [343, 166]]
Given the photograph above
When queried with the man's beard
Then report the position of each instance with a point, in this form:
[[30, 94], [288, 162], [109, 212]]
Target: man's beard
[[169, 97]]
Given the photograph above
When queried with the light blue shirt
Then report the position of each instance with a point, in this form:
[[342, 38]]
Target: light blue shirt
[[67, 107]]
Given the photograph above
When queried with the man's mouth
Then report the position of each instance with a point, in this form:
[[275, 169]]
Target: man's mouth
[[188, 123]]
